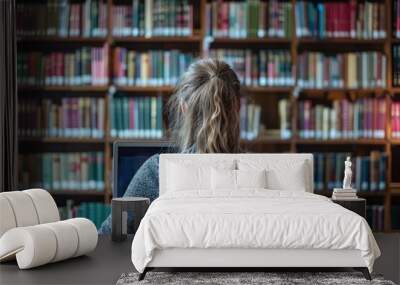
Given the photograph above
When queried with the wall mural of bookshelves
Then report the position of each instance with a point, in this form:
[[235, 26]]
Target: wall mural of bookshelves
[[320, 77]]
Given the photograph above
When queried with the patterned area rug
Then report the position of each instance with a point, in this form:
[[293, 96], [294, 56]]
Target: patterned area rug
[[230, 278]]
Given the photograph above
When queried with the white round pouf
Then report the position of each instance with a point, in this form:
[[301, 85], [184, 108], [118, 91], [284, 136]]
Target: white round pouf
[[46, 208], [66, 238], [7, 218], [87, 234], [23, 208], [33, 246]]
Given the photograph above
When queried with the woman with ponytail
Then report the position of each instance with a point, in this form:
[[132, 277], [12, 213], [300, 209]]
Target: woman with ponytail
[[204, 118]]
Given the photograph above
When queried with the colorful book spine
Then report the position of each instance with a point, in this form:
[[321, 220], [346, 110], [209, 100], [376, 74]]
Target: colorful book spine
[[136, 117], [70, 117], [344, 19], [285, 117], [396, 18], [62, 171], [395, 120], [364, 118], [252, 127], [343, 70], [96, 212], [375, 217], [396, 65], [62, 18], [369, 172], [83, 66], [250, 118], [153, 18], [258, 68], [249, 19], [151, 68]]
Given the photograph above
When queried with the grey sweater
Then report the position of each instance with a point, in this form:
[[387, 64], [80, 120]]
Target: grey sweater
[[143, 184]]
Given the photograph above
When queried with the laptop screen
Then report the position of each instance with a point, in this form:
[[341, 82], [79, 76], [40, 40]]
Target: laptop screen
[[128, 158]]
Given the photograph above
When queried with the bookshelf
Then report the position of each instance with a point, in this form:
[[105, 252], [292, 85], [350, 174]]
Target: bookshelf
[[201, 42]]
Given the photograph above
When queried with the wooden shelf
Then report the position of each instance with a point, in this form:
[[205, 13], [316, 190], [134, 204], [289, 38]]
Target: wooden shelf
[[227, 40], [395, 141], [395, 185], [145, 89], [55, 39], [172, 39], [267, 89], [325, 91], [340, 41], [341, 141], [67, 192], [170, 89], [61, 140], [266, 141], [139, 140], [88, 88]]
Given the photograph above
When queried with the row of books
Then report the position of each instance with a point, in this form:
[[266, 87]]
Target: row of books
[[154, 67], [250, 119], [153, 18], [347, 19], [253, 126], [65, 117], [396, 65], [395, 119], [253, 18], [369, 172], [62, 18], [62, 170], [96, 212], [258, 67], [136, 117], [82, 66], [285, 115], [375, 217], [89, 66], [364, 118], [344, 194], [343, 70]]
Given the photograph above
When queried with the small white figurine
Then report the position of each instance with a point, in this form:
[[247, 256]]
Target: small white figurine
[[347, 174]]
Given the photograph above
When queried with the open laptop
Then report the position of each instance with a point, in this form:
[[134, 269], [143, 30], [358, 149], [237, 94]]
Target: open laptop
[[127, 159]]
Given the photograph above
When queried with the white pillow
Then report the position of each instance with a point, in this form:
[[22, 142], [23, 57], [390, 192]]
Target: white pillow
[[182, 177], [186, 175], [251, 179], [287, 174], [223, 179], [226, 179]]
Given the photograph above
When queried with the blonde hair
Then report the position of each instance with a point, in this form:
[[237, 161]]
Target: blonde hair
[[204, 109]]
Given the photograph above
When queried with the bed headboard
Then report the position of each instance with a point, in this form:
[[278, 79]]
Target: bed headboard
[[272, 158]]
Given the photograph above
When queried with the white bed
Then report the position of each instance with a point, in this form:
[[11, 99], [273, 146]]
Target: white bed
[[249, 210]]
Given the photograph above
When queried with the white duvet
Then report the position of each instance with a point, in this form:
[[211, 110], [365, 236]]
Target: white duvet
[[250, 219]]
